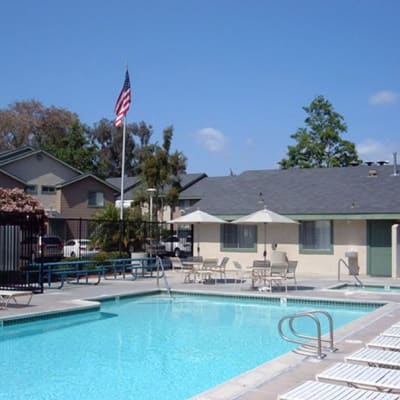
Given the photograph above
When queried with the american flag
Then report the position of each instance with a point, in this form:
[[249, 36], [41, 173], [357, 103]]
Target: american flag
[[123, 101]]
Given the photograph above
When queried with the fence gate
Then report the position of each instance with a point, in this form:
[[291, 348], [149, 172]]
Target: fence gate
[[16, 230]]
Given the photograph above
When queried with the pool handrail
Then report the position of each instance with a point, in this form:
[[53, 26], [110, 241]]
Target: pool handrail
[[353, 273], [309, 347]]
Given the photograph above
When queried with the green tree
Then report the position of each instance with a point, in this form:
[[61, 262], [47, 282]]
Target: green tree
[[108, 140], [319, 144], [30, 123], [113, 235], [74, 148]]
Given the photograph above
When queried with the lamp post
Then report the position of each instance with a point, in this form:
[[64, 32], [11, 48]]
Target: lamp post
[[151, 192], [262, 201]]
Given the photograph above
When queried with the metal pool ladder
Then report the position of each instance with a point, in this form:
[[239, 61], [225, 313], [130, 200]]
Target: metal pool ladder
[[160, 265], [353, 271], [309, 345]]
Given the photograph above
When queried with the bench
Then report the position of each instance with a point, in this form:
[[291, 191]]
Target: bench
[[7, 295]]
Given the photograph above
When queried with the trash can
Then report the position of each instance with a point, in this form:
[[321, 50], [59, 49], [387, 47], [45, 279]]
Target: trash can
[[352, 262]]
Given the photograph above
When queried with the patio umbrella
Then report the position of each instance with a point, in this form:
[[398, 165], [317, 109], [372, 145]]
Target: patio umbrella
[[197, 217], [264, 217]]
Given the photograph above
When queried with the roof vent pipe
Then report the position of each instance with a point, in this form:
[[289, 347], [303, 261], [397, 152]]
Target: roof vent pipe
[[395, 173]]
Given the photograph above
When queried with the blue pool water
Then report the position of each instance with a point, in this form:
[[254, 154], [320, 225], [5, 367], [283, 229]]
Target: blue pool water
[[369, 288], [145, 347]]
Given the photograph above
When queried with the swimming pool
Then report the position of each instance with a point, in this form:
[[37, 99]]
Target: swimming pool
[[148, 347]]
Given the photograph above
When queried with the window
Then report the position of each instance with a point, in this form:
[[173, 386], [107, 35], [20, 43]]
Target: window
[[316, 237], [31, 189], [186, 203], [96, 199], [48, 190], [239, 237]]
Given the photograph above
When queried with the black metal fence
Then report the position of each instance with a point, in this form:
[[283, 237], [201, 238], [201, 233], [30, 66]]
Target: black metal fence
[[14, 229], [31, 241]]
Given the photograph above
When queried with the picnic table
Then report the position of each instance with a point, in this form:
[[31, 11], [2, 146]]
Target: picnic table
[[67, 271]]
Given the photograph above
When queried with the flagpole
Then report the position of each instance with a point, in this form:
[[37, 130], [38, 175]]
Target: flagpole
[[121, 108], [121, 211]]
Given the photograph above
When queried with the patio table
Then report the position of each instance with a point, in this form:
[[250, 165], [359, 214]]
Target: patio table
[[263, 274]]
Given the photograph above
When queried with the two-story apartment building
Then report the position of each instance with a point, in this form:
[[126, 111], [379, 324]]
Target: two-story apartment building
[[64, 191]]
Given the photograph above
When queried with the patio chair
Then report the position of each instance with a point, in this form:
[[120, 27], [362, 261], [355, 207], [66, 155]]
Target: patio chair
[[221, 268], [385, 342], [178, 266], [176, 263], [281, 266], [241, 273], [311, 390], [375, 358], [361, 376], [207, 269]]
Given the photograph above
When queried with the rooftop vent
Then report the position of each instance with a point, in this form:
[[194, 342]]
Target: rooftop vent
[[395, 173]]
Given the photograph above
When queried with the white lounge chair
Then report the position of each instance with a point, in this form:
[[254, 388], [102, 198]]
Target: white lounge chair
[[392, 331], [385, 342], [375, 358], [7, 295], [362, 376], [312, 390]]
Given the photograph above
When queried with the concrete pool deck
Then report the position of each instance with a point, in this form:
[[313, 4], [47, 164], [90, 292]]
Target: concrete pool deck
[[269, 380]]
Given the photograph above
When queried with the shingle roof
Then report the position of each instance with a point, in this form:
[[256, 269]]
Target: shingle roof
[[86, 176], [131, 181], [316, 191]]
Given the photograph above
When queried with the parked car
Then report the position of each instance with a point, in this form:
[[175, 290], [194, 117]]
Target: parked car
[[79, 248], [44, 248], [176, 246], [154, 247]]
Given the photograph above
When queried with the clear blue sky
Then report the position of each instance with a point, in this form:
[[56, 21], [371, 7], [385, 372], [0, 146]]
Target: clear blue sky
[[231, 76]]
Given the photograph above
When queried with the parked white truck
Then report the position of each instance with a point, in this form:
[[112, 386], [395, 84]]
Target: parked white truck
[[176, 246]]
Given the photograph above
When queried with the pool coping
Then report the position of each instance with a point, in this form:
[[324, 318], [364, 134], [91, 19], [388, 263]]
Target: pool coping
[[267, 381], [258, 382]]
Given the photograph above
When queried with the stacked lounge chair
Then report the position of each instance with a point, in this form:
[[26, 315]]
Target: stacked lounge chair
[[370, 373]]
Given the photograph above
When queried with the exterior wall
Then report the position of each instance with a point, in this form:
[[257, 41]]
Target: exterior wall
[[41, 170], [74, 198], [348, 235]]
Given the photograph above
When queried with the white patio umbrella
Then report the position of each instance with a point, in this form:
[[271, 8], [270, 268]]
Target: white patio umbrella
[[197, 217], [264, 217]]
